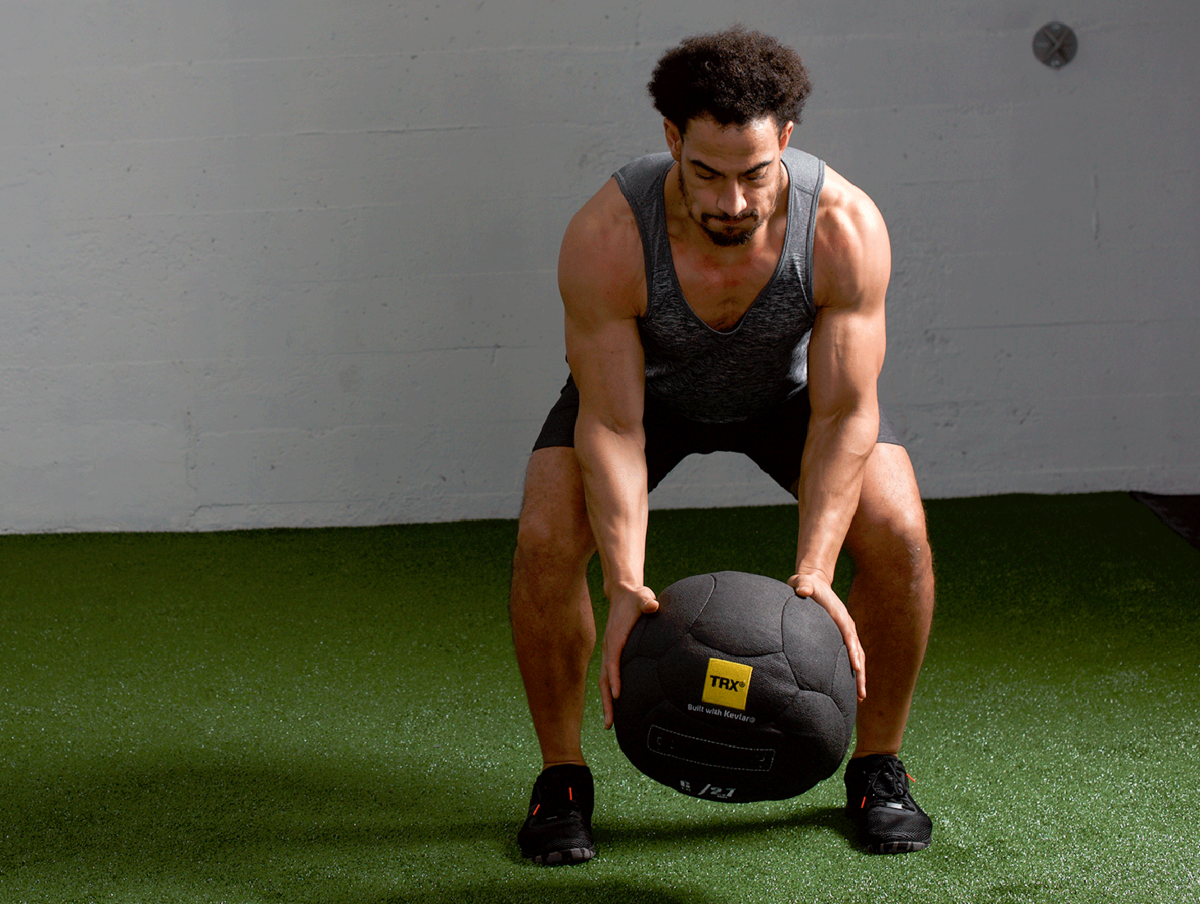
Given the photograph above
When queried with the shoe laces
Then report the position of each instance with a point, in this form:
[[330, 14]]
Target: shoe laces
[[555, 800], [888, 785]]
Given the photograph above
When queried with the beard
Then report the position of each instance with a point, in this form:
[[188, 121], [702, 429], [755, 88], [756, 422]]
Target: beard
[[726, 238], [718, 227]]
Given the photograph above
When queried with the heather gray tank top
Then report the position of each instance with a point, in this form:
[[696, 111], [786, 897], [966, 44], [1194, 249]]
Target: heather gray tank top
[[722, 376]]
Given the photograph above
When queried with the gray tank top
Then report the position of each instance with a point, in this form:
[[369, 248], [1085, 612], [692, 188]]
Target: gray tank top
[[723, 376]]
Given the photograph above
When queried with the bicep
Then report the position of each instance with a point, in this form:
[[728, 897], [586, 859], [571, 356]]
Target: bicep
[[849, 337], [607, 364], [599, 273], [845, 356]]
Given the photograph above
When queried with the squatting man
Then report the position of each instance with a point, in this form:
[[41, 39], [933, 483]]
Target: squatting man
[[726, 295]]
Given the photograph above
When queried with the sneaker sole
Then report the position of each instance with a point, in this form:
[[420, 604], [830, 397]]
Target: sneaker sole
[[897, 847], [559, 858]]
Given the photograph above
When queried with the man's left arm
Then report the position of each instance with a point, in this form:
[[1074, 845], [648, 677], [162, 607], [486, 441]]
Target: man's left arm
[[852, 265]]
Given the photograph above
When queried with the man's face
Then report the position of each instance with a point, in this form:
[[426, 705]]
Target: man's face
[[730, 176]]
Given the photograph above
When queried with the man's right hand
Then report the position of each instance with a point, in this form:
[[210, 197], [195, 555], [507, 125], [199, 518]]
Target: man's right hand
[[625, 606]]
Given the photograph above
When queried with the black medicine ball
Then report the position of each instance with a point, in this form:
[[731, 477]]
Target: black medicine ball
[[735, 690]]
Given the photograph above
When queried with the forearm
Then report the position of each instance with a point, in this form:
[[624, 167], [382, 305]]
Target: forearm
[[831, 474], [615, 487]]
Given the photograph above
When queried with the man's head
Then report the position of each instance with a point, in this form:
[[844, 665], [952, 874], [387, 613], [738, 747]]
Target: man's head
[[734, 76], [729, 101]]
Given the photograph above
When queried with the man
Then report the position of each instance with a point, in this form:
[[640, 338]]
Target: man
[[728, 296]]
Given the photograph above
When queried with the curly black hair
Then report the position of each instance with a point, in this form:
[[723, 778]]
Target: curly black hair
[[735, 76]]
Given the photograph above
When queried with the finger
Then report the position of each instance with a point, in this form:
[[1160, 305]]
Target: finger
[[606, 698], [801, 585], [860, 670], [614, 682], [858, 663], [858, 659], [832, 604], [610, 683]]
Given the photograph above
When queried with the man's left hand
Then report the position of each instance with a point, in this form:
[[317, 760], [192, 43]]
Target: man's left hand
[[816, 587]]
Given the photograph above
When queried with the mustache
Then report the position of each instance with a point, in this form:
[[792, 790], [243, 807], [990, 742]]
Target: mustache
[[728, 221]]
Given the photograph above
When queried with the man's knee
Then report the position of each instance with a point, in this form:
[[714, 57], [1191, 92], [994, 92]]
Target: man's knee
[[553, 530], [547, 541], [900, 544], [888, 534]]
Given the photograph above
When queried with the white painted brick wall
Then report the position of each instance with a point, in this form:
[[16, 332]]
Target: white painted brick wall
[[291, 262]]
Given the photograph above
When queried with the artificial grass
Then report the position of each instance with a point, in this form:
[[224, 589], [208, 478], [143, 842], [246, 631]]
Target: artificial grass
[[336, 716]]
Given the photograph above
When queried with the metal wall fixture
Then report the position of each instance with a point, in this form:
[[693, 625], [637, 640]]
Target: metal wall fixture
[[1055, 44]]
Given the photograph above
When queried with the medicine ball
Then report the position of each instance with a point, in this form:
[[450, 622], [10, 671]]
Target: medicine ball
[[735, 690]]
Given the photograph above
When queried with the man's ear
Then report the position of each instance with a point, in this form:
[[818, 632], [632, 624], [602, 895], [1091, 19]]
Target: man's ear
[[785, 135], [674, 139]]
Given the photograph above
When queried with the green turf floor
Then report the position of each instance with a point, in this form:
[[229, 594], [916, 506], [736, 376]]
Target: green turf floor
[[335, 716]]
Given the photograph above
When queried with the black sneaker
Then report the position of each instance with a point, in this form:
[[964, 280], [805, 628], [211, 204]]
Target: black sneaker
[[877, 801], [558, 828]]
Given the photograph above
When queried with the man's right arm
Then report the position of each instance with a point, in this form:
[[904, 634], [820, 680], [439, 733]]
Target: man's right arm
[[601, 279]]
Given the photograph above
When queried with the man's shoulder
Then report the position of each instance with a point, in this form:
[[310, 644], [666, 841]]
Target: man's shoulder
[[850, 242], [839, 194], [602, 247], [605, 222]]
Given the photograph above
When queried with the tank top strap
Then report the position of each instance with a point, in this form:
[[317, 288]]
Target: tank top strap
[[722, 376], [642, 182]]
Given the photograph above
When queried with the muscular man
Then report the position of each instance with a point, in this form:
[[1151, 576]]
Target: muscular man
[[727, 295]]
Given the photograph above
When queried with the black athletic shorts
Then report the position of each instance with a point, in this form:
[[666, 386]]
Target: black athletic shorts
[[774, 441]]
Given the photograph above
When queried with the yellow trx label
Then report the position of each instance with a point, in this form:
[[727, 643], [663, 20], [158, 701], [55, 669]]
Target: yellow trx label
[[727, 683]]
